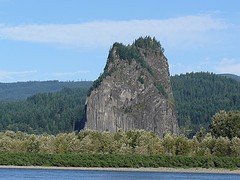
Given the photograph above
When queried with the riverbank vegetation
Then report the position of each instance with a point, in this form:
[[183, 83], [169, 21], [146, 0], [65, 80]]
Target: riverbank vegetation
[[124, 143], [134, 148], [117, 160]]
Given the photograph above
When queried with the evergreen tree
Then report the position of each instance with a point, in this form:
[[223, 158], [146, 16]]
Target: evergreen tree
[[198, 96]]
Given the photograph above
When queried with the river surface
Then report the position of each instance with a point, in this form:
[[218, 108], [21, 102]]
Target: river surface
[[19, 174]]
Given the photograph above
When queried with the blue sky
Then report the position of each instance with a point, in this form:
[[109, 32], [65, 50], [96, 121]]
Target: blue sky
[[70, 39]]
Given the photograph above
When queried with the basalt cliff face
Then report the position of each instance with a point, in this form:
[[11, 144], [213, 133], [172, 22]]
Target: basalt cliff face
[[134, 91]]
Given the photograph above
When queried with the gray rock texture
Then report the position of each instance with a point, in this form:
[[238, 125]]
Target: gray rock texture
[[134, 92]]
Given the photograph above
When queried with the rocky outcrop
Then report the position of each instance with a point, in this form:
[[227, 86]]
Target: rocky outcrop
[[134, 91]]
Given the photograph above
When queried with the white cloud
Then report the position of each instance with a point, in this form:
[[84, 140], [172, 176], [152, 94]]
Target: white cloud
[[186, 29], [10, 75], [229, 66], [60, 74]]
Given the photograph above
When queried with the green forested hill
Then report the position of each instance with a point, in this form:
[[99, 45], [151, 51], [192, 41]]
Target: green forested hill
[[198, 96], [42, 106], [22, 90], [44, 112]]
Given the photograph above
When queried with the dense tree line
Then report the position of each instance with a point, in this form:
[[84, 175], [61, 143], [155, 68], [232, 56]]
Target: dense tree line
[[45, 112], [148, 43], [198, 96]]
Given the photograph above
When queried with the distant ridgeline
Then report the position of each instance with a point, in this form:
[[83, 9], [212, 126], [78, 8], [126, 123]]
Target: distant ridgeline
[[22, 90], [232, 76], [198, 96]]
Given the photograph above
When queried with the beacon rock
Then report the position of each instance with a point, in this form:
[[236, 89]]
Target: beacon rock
[[134, 91]]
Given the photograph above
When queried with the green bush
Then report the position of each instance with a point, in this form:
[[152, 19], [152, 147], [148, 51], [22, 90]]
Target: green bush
[[110, 160], [135, 148]]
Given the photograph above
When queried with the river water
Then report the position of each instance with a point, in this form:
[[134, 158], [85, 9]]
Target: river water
[[19, 174]]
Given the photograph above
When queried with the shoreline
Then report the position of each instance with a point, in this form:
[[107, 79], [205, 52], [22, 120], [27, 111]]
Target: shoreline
[[160, 169]]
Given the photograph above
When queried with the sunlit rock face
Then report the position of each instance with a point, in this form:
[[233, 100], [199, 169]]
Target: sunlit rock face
[[134, 91]]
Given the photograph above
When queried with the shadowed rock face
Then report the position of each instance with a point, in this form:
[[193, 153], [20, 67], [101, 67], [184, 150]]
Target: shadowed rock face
[[134, 92]]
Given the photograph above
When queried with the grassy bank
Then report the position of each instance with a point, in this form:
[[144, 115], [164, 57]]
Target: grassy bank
[[110, 160]]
